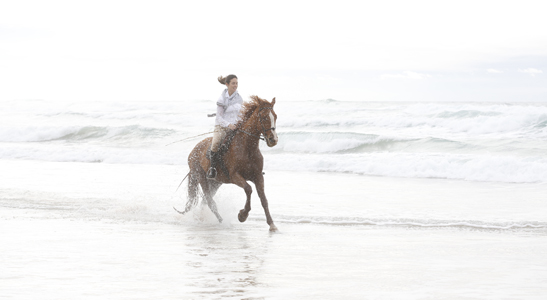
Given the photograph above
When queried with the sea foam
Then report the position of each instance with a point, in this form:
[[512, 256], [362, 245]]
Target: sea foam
[[467, 141]]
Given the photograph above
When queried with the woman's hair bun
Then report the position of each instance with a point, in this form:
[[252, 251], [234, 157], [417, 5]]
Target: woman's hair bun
[[227, 79]]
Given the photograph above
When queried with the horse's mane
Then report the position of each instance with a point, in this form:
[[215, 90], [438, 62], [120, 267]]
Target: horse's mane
[[249, 108]]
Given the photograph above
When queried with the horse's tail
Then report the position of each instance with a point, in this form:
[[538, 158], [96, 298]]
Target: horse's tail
[[193, 192], [178, 187]]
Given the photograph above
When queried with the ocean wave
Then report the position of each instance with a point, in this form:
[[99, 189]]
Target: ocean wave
[[323, 142], [160, 114], [89, 153], [414, 118], [490, 168], [423, 223], [542, 122], [470, 167], [467, 141], [79, 133], [352, 142], [466, 113]]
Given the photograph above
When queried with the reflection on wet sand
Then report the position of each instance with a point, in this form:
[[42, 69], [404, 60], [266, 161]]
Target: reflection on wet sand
[[225, 263]]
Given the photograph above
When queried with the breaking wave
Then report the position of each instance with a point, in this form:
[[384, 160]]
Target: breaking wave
[[467, 141], [80, 133]]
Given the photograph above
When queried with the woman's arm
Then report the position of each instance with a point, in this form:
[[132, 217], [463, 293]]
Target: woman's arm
[[220, 116]]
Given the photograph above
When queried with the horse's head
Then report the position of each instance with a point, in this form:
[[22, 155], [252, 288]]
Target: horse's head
[[267, 119]]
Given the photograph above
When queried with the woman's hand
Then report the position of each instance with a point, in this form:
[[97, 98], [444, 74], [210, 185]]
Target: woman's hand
[[232, 127]]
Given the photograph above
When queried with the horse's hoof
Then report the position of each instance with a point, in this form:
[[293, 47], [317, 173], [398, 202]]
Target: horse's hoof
[[273, 228], [242, 216]]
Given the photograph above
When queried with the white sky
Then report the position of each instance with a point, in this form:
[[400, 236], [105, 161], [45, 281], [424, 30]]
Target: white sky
[[293, 50]]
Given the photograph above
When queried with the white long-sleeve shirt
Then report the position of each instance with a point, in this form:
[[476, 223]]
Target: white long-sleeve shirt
[[228, 108]]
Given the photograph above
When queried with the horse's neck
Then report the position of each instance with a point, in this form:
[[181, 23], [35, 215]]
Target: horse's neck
[[252, 132]]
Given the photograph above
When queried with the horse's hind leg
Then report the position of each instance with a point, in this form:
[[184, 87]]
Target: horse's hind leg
[[213, 186], [208, 195]]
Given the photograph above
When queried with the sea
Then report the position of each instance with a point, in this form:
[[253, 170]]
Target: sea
[[373, 200]]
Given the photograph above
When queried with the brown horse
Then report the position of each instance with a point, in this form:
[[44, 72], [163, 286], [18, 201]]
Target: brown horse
[[243, 160]]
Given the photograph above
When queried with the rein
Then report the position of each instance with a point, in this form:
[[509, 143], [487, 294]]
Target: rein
[[264, 130], [248, 133], [190, 138]]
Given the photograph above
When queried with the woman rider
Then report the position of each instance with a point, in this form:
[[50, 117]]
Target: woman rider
[[228, 106]]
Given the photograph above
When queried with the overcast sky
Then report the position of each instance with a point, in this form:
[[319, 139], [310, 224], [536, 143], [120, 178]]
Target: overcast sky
[[292, 50]]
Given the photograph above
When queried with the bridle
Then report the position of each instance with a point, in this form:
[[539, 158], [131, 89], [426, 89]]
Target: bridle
[[264, 130]]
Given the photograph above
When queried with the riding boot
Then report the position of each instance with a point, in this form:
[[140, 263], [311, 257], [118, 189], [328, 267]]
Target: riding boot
[[213, 163]]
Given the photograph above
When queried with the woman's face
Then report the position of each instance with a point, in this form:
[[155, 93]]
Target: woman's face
[[232, 86]]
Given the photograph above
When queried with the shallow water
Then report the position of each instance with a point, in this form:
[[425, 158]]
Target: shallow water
[[96, 231], [62, 258]]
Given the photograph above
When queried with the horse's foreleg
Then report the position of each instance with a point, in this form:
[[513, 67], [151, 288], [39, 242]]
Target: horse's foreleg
[[241, 182], [259, 183]]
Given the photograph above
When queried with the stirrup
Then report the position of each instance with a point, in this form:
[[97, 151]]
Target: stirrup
[[212, 173]]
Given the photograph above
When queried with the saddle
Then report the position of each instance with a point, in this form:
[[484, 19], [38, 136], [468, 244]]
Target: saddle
[[223, 149]]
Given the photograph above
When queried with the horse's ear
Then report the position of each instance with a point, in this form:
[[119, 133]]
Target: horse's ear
[[273, 101]]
